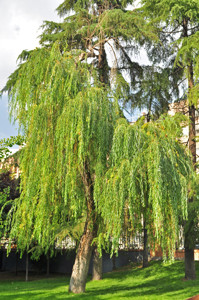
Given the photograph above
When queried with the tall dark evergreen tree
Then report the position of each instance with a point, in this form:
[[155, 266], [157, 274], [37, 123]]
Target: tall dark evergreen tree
[[108, 34]]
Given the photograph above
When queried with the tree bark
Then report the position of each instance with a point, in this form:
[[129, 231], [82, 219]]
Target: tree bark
[[97, 265], [192, 133], [82, 261], [102, 64], [190, 272], [145, 262], [189, 250], [83, 257]]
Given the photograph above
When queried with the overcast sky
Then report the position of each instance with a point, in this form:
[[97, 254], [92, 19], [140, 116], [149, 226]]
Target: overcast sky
[[19, 28]]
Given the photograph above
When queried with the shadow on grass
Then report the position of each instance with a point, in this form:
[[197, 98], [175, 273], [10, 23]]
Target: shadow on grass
[[51, 288], [155, 282]]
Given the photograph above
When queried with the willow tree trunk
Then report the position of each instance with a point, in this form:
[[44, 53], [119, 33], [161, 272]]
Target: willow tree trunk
[[97, 265], [145, 261], [82, 261], [85, 248]]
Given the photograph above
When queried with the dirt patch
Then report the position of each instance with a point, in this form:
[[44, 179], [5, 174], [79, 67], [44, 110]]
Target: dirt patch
[[194, 298]]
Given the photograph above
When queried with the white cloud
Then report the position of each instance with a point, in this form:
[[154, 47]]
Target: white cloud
[[20, 21], [19, 28]]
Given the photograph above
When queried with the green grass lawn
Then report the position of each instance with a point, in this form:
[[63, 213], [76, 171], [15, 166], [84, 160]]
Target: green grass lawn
[[155, 282]]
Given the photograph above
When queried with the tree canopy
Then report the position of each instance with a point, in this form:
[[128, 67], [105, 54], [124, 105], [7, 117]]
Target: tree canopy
[[110, 35], [77, 120], [178, 21], [81, 161]]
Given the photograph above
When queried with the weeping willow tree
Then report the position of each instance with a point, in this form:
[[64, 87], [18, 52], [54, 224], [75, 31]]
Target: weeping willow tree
[[148, 175], [69, 171], [101, 31], [88, 30], [68, 115], [109, 34], [68, 120]]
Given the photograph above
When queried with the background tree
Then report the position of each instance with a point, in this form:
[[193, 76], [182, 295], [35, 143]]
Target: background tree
[[109, 34], [9, 183], [179, 21], [9, 189]]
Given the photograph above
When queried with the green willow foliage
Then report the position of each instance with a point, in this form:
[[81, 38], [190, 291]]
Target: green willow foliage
[[68, 117], [148, 175], [68, 121]]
